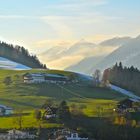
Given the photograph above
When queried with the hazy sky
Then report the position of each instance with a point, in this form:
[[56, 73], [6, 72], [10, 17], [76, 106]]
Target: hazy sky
[[40, 24]]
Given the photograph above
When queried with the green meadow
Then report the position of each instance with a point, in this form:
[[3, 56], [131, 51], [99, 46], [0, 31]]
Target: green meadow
[[28, 97]]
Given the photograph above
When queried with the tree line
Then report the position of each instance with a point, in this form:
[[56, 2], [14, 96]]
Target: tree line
[[20, 55], [124, 77]]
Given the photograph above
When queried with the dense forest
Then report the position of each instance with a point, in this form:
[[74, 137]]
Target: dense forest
[[125, 77], [20, 55]]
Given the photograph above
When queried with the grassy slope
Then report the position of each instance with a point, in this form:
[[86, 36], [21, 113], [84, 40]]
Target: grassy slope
[[20, 95], [30, 96], [28, 121]]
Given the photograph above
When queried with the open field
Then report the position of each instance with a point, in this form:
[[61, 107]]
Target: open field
[[32, 96], [91, 108], [28, 121]]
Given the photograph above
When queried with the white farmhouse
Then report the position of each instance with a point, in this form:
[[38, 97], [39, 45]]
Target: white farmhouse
[[44, 78], [66, 134], [4, 110], [34, 78], [16, 135], [74, 136]]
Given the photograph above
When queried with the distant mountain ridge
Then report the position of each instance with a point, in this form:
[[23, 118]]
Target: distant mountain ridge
[[62, 57], [128, 52], [116, 41], [67, 55], [20, 55], [85, 65]]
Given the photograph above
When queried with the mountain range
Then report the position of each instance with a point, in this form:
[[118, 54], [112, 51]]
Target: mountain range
[[128, 52], [85, 57], [61, 57]]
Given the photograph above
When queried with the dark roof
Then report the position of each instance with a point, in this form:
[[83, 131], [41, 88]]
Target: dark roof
[[52, 109], [56, 78]]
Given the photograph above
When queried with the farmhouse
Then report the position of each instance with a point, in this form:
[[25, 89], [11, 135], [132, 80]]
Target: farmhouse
[[33, 78], [44, 77], [127, 103], [74, 136], [20, 134], [4, 110], [50, 112], [66, 135]]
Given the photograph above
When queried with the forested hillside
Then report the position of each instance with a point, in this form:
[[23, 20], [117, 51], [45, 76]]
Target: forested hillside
[[20, 55], [125, 77]]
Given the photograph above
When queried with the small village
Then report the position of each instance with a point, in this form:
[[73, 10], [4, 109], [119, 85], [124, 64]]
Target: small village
[[48, 113], [62, 134], [69, 69], [128, 109]]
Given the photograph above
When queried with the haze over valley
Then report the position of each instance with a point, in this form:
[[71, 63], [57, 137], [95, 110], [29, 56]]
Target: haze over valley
[[86, 57]]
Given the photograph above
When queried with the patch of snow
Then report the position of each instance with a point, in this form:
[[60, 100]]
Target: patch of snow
[[8, 64], [124, 92]]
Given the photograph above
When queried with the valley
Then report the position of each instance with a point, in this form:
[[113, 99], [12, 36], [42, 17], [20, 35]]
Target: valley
[[69, 70], [86, 102], [25, 91]]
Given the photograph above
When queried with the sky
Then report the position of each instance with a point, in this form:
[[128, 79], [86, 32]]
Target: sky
[[41, 24]]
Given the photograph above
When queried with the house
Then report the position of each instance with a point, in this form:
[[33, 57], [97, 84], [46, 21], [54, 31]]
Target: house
[[33, 78], [4, 110], [16, 134], [50, 112], [127, 103], [74, 136], [20, 134], [65, 134], [45, 78]]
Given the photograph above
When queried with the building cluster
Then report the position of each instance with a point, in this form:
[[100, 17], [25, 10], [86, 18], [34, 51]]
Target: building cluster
[[16, 135], [129, 109], [46, 78], [128, 105], [65, 134]]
